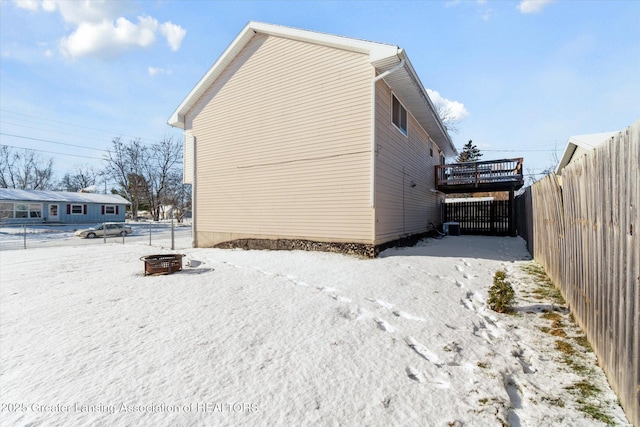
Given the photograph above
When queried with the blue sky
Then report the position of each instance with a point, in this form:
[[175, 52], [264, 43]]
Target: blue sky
[[524, 76]]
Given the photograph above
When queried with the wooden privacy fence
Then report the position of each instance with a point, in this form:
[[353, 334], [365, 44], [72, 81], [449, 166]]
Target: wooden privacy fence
[[524, 218], [586, 235]]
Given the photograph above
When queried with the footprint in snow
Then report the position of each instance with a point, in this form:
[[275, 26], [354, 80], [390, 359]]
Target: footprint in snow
[[383, 325], [459, 268], [413, 374], [422, 350], [408, 316], [441, 381], [466, 303], [340, 298], [459, 284]]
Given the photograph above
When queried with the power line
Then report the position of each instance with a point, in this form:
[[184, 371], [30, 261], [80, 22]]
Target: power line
[[76, 125], [51, 152], [54, 131], [52, 142]]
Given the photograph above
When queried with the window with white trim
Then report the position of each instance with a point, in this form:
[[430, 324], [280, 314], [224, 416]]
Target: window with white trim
[[110, 210], [35, 210], [21, 210], [6, 210], [76, 210], [399, 117]]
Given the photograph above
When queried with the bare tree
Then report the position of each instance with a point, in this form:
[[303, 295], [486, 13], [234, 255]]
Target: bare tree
[[25, 170], [82, 179], [145, 174], [179, 196], [163, 162], [551, 168], [448, 117], [124, 164]]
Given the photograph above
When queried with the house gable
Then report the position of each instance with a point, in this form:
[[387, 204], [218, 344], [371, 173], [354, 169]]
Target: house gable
[[382, 57]]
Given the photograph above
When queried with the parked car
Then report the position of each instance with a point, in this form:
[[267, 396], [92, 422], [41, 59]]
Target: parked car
[[98, 230]]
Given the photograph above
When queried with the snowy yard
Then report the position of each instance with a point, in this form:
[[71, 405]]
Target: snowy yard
[[285, 338]]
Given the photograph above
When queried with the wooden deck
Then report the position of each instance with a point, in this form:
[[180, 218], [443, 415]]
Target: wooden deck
[[493, 175]]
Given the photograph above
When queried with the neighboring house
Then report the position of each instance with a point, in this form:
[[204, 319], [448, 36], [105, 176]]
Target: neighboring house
[[294, 135], [581, 144], [31, 206]]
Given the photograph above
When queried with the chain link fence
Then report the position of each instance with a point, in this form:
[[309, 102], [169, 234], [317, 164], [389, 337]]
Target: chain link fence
[[165, 234]]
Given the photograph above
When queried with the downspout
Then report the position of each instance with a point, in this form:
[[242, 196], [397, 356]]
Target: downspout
[[373, 127], [194, 197]]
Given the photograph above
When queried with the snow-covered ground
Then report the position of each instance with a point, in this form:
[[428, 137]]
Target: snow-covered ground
[[284, 338]]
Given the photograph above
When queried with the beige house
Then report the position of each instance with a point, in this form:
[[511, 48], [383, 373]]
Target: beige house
[[311, 140]]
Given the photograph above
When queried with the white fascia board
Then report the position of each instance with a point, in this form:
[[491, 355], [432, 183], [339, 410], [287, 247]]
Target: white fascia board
[[373, 49]]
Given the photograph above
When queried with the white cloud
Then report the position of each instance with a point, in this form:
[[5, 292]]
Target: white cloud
[[154, 70], [108, 38], [27, 4], [533, 6], [100, 28], [454, 110], [174, 34], [86, 11]]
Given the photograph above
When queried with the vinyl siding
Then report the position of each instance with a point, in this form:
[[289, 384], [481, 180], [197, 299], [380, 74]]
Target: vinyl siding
[[283, 140], [402, 210]]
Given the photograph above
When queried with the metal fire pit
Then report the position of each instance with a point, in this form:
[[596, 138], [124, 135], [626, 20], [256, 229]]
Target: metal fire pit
[[162, 264]]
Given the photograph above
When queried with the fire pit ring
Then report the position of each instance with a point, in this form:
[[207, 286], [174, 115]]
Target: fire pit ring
[[162, 264]]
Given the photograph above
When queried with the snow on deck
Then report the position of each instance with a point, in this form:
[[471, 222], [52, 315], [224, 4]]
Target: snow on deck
[[277, 338]]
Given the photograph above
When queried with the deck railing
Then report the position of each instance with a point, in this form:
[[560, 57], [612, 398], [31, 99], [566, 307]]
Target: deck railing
[[478, 173]]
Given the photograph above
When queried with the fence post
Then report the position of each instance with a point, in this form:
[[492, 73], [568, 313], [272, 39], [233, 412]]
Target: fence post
[[149, 234], [104, 232], [172, 236], [24, 229]]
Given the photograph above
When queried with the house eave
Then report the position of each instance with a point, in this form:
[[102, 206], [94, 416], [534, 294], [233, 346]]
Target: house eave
[[376, 52]]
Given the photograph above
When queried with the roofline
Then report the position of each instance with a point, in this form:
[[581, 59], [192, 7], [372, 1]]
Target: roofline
[[378, 52], [578, 141], [432, 107]]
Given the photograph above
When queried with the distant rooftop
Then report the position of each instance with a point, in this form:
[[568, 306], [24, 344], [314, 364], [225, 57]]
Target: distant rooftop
[[14, 195]]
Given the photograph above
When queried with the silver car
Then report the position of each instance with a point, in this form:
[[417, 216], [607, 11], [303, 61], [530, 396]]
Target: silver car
[[110, 228]]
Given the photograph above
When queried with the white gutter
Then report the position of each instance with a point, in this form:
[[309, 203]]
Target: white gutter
[[373, 127]]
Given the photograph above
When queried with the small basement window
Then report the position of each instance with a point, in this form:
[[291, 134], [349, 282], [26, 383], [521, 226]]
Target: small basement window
[[399, 115]]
